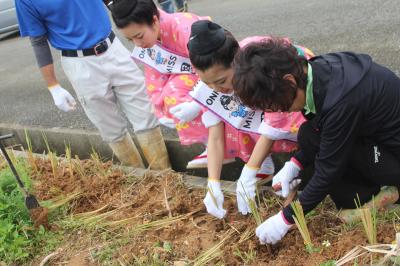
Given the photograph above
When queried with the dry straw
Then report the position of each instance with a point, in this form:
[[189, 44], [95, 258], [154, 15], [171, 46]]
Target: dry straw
[[213, 253]]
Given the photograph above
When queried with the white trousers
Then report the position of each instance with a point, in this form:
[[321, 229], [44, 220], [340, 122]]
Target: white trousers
[[108, 84]]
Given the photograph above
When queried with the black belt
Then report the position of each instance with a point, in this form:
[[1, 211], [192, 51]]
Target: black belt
[[98, 49]]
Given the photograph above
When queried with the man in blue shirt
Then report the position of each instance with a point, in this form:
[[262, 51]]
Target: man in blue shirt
[[100, 70]]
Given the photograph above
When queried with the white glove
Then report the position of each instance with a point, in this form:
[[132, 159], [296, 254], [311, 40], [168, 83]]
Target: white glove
[[168, 122], [273, 229], [62, 98], [186, 111], [284, 177], [246, 189], [214, 202], [292, 185]]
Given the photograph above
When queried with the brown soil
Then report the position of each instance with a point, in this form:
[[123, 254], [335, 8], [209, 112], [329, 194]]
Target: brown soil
[[39, 217], [98, 184], [184, 240]]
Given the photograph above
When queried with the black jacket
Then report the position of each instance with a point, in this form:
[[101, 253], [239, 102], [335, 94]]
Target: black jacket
[[354, 98]]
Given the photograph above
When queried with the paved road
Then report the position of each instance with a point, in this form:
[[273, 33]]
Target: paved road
[[368, 26]]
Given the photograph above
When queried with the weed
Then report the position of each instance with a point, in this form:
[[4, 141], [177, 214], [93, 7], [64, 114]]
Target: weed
[[18, 239], [247, 257], [328, 263]]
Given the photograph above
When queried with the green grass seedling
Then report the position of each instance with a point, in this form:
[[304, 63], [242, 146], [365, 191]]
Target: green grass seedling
[[301, 224], [369, 221], [52, 156], [31, 158]]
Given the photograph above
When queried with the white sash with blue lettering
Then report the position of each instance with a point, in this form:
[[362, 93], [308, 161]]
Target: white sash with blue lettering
[[228, 108], [162, 60]]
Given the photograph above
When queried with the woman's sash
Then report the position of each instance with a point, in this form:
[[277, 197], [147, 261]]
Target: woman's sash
[[162, 60], [228, 108]]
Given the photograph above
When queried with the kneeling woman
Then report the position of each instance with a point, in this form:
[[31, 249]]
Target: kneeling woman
[[352, 134], [211, 50]]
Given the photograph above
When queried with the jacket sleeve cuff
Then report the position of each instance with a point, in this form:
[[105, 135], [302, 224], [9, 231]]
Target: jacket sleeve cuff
[[287, 215], [296, 162], [301, 159]]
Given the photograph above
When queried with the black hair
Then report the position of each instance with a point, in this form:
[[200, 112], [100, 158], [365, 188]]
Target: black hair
[[125, 12], [259, 69], [222, 56]]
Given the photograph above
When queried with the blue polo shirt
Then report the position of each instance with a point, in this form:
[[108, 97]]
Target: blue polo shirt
[[68, 24]]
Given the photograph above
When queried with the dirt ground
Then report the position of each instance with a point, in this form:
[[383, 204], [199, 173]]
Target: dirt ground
[[128, 230]]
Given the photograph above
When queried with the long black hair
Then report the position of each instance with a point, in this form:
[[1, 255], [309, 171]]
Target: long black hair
[[125, 12]]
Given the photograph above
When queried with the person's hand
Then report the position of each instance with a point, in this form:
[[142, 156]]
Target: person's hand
[[281, 182], [186, 111], [273, 229], [168, 122], [62, 98], [246, 189], [214, 199]]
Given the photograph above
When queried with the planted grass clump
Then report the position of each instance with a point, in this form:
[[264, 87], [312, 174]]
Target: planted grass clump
[[301, 224], [52, 157], [30, 156], [368, 218]]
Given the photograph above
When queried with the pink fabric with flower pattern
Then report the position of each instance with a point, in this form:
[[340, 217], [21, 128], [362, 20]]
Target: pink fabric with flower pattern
[[166, 91]]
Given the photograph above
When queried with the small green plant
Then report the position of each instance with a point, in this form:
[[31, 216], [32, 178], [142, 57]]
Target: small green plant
[[68, 156], [77, 164], [328, 263], [31, 158], [52, 156], [98, 163], [105, 255], [247, 257], [149, 260], [368, 218], [167, 246], [301, 223]]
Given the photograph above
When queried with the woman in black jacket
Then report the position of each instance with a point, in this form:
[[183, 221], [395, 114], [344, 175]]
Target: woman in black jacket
[[353, 130]]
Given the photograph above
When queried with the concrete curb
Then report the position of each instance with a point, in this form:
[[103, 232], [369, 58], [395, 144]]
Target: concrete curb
[[82, 143]]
